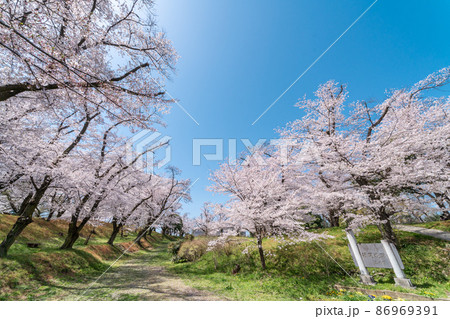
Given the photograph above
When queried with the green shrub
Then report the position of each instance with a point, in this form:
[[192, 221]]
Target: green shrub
[[192, 250], [315, 223], [174, 247]]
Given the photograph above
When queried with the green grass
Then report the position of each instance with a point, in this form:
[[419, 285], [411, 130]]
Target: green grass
[[294, 272], [48, 272], [306, 272]]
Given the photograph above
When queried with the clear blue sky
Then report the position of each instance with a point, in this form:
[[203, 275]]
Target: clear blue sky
[[238, 56]]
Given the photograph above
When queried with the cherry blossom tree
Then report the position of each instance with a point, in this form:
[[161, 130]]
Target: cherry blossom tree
[[171, 224], [167, 201], [205, 221], [261, 202], [67, 70], [188, 224], [366, 163], [133, 195], [105, 171], [143, 204]]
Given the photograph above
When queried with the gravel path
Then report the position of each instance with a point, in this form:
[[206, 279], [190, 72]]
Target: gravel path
[[140, 278], [425, 231]]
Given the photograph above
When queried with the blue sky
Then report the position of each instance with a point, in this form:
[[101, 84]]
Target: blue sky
[[237, 57]]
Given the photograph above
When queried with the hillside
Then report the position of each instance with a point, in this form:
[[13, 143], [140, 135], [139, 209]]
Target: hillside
[[44, 272], [305, 271], [312, 271]]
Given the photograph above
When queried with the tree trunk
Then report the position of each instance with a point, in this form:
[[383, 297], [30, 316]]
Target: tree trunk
[[215, 262], [439, 199], [116, 229], [333, 218], [445, 215], [261, 253], [92, 232], [50, 215], [141, 234], [387, 232], [25, 211], [147, 234], [32, 204], [74, 232], [72, 235], [60, 213], [19, 226]]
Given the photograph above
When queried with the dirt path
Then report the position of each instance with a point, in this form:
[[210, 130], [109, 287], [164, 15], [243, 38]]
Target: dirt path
[[141, 278], [425, 231]]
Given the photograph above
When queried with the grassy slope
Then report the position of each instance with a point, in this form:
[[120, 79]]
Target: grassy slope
[[306, 272], [295, 272], [44, 272]]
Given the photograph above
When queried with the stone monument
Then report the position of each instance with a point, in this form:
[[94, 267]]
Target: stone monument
[[378, 255]]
